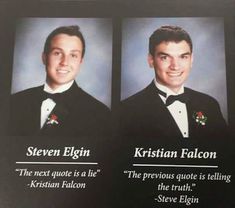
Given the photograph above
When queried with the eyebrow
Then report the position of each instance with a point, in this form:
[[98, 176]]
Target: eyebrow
[[187, 53], [75, 50], [162, 53], [60, 49], [166, 54]]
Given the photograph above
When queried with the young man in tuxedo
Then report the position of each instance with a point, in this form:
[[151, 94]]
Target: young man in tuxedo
[[165, 108], [59, 107]]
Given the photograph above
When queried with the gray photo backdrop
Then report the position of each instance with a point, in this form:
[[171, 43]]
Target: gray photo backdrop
[[208, 74], [95, 75]]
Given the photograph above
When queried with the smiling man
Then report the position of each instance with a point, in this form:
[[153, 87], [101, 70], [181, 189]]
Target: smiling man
[[59, 107], [166, 108]]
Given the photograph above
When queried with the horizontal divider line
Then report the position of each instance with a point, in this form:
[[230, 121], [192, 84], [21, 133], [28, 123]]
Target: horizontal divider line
[[178, 166], [58, 163]]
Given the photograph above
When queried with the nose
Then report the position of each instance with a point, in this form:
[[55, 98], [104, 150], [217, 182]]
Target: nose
[[174, 65], [64, 60]]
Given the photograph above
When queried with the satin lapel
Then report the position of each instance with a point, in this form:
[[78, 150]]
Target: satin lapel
[[192, 107], [191, 123], [164, 120], [60, 113], [56, 120]]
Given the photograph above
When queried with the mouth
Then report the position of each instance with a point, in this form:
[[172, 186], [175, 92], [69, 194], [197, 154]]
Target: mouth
[[174, 74], [62, 71]]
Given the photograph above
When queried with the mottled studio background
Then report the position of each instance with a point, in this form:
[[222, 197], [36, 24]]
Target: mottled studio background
[[208, 74], [96, 71]]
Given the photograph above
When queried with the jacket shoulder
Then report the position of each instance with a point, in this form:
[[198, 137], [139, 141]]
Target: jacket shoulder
[[26, 94], [89, 101], [142, 97], [200, 97]]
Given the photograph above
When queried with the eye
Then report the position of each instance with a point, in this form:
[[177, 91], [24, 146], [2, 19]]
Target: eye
[[184, 56], [163, 57], [73, 55], [56, 53]]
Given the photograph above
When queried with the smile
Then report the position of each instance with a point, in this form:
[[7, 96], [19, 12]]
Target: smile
[[174, 74], [62, 71]]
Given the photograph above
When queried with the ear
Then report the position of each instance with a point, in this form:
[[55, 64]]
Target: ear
[[44, 58], [150, 60]]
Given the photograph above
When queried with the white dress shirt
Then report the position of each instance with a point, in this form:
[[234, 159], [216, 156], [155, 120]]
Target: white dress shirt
[[48, 104], [177, 109]]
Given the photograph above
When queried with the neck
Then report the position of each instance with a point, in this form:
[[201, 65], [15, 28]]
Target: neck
[[51, 85], [57, 88], [169, 90], [175, 90]]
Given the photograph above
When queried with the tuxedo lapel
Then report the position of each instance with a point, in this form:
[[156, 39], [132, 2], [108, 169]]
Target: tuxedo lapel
[[191, 122], [195, 130], [163, 118], [57, 119]]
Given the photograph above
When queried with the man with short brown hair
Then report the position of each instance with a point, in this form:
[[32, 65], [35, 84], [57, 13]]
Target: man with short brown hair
[[59, 107]]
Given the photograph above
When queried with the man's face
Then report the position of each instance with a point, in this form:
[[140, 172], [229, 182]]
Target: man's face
[[172, 63], [63, 60]]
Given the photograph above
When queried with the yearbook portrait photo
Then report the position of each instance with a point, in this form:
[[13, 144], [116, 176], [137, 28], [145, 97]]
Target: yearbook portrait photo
[[173, 77], [61, 80]]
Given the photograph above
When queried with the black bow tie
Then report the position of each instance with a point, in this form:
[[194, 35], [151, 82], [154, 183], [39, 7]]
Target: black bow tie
[[172, 98], [55, 97]]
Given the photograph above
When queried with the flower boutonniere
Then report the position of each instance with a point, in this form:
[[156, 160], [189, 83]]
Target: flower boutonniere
[[200, 118], [52, 120]]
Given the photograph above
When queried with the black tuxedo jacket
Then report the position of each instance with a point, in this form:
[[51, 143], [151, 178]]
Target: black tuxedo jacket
[[78, 114], [145, 115]]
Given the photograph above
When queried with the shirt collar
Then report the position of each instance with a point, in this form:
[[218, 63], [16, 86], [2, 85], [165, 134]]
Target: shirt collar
[[167, 90], [60, 89]]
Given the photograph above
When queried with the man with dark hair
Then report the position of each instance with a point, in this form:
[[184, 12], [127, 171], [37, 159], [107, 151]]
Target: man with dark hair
[[72, 30], [59, 107], [166, 108]]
